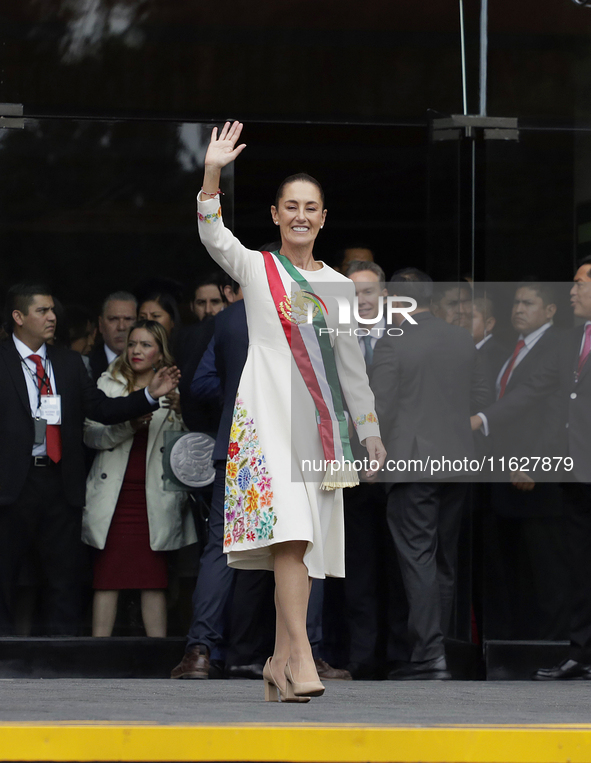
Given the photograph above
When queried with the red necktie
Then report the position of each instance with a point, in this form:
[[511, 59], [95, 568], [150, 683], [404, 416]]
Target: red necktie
[[520, 344], [586, 348], [53, 434]]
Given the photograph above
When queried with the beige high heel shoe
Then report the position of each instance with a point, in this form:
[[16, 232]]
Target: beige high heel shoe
[[273, 692], [311, 688]]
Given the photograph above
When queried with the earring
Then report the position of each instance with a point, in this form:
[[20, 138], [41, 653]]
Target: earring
[[154, 368], [276, 222]]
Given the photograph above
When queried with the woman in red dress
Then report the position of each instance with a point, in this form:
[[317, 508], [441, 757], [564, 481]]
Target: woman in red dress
[[128, 514]]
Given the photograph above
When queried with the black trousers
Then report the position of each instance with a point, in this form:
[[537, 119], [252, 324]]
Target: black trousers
[[252, 618], [577, 505], [527, 565], [376, 606], [424, 519], [214, 581], [41, 520]]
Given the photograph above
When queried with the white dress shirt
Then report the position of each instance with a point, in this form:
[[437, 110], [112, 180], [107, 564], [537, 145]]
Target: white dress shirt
[[110, 354], [587, 323], [32, 383], [482, 342]]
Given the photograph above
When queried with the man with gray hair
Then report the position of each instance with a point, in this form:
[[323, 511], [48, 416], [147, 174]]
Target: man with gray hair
[[118, 314]]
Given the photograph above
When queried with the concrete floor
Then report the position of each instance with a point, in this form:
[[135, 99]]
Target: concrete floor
[[238, 702]]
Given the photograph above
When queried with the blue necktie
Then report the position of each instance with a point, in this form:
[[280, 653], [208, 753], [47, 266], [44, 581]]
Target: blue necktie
[[368, 350]]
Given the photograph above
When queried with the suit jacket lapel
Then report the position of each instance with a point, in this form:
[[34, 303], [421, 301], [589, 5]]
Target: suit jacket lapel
[[15, 369], [526, 366], [585, 369], [58, 371]]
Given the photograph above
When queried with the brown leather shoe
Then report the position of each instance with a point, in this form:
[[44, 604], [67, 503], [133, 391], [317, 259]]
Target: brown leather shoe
[[328, 673], [195, 664]]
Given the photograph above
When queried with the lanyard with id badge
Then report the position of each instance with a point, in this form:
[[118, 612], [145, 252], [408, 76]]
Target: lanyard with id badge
[[49, 408]]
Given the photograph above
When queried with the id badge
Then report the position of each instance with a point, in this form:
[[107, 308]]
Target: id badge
[[51, 409], [40, 428]]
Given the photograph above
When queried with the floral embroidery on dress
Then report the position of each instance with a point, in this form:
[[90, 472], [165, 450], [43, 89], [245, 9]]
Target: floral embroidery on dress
[[367, 418], [249, 514], [212, 217]]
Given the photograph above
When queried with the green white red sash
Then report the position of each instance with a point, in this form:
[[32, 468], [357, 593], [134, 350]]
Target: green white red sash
[[314, 357]]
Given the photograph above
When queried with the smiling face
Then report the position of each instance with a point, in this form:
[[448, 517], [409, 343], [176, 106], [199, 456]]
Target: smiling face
[[529, 311], [143, 351], [369, 293], [299, 213], [37, 325], [153, 311], [580, 294]]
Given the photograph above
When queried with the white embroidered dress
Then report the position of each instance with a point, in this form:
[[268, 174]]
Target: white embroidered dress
[[269, 499]]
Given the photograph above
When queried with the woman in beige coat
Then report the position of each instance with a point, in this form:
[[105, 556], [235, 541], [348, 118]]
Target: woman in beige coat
[[128, 515]]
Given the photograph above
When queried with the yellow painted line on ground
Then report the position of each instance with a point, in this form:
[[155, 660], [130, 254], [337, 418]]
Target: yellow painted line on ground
[[296, 743]]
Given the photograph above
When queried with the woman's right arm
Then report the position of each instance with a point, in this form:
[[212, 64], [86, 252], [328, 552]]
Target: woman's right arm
[[103, 437], [222, 245]]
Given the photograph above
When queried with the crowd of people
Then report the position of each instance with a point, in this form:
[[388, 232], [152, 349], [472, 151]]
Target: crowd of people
[[86, 408]]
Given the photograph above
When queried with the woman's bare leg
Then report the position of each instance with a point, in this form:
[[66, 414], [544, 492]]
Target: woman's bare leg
[[104, 612], [292, 591], [154, 612], [281, 652]]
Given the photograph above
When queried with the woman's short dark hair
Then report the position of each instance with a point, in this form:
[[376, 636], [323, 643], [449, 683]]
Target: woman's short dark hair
[[167, 302], [302, 177]]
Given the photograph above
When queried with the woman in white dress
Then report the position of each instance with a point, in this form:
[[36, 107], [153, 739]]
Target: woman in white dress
[[288, 416]]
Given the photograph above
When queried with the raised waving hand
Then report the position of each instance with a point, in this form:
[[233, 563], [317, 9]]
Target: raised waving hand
[[223, 149]]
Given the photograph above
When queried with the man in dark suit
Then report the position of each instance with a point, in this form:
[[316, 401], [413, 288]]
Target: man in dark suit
[[493, 352], [567, 373], [426, 381], [228, 355], [210, 296], [118, 314], [376, 608], [525, 538], [45, 395], [203, 415]]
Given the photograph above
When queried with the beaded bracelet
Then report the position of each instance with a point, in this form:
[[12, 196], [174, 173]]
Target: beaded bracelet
[[213, 195]]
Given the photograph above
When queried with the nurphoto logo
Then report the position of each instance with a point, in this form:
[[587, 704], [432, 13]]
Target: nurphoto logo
[[403, 306]]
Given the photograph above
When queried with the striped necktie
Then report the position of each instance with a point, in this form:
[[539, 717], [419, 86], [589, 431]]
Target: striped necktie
[[518, 347], [53, 433], [368, 350]]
